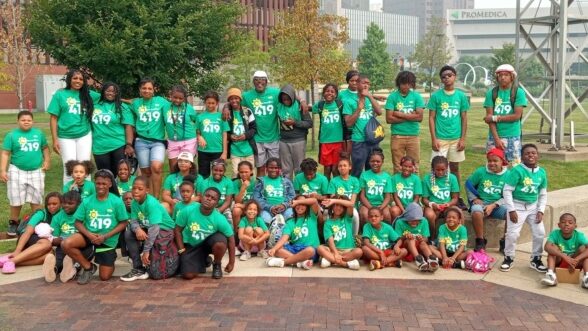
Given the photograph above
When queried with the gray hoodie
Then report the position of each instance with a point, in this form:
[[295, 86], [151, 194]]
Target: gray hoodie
[[299, 130]]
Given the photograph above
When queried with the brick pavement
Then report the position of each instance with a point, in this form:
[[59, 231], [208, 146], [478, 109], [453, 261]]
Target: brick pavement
[[282, 303]]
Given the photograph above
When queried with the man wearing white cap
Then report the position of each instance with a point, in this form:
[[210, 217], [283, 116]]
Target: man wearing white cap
[[504, 109], [263, 101]]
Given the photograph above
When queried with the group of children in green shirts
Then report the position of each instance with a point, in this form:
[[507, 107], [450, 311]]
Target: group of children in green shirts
[[371, 202]]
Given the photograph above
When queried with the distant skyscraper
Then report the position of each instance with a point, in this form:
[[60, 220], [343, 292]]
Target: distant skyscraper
[[356, 4], [424, 9]]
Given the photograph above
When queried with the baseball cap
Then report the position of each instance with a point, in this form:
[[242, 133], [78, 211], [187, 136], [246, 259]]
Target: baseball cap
[[186, 156]]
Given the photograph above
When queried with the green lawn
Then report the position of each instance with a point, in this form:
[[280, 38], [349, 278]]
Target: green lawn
[[559, 173]]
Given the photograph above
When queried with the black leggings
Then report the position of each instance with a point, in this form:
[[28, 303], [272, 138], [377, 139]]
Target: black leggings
[[204, 161], [110, 160]]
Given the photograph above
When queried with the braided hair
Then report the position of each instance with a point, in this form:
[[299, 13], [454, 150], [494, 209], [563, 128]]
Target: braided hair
[[439, 159], [86, 103]]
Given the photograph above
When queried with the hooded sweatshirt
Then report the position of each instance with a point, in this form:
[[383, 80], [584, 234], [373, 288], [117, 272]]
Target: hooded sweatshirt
[[302, 120]]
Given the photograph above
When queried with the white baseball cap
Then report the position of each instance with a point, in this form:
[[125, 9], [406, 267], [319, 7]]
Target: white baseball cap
[[186, 156], [506, 68], [260, 74]]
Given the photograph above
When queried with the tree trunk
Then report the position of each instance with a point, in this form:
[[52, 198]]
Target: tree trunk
[[311, 115]]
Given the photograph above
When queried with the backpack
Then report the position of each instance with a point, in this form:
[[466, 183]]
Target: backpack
[[479, 262], [374, 131], [165, 259], [22, 226], [346, 130]]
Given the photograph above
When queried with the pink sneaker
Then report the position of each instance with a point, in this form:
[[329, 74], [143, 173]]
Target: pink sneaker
[[4, 259], [8, 267]]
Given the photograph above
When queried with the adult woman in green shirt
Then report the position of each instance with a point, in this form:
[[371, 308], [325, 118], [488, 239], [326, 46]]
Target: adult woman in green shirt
[[70, 112]]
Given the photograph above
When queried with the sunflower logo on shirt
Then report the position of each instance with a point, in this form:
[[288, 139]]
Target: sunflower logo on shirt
[[297, 231], [399, 187], [325, 113], [142, 109], [435, 189], [97, 112], [498, 102], [371, 183], [256, 103], [399, 106], [22, 141], [269, 189], [206, 122], [93, 214], [65, 228], [340, 190], [305, 188], [444, 106], [487, 183], [195, 227], [335, 228], [71, 101], [140, 216], [235, 121], [374, 240], [527, 181]]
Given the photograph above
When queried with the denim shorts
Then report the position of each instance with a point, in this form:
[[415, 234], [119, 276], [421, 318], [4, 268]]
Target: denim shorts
[[149, 151], [498, 212], [297, 248], [512, 148]]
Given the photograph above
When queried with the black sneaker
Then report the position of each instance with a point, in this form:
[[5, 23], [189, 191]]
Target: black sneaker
[[459, 265], [217, 271], [537, 264], [461, 205], [12, 228], [208, 261], [480, 244], [501, 244], [507, 263], [85, 276], [135, 274]]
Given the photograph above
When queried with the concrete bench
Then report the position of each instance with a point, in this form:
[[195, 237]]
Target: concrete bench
[[571, 200]]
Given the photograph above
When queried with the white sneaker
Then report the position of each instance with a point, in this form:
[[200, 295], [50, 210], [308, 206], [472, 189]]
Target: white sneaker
[[264, 254], [306, 265], [585, 281], [325, 263], [237, 251], [279, 219], [550, 279], [275, 262], [246, 255], [353, 264]]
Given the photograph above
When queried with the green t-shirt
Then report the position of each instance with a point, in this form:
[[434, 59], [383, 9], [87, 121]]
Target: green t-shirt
[[211, 126], [358, 129], [240, 148], [151, 212], [406, 104], [319, 184], [527, 184], [331, 123], [448, 110], [452, 239], [225, 186], [406, 187], [273, 190], [341, 230], [567, 246], [108, 126], [264, 106], [440, 192], [257, 223], [179, 206], [66, 106], [503, 107], [124, 187], [39, 216], [384, 238], [248, 192], [172, 184], [63, 225], [489, 184], [180, 121], [403, 228], [85, 191], [375, 186], [26, 148], [303, 231], [198, 227], [149, 117], [291, 112], [340, 186], [101, 217]]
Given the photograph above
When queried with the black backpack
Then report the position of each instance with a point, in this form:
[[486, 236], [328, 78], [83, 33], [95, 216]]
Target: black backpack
[[346, 130]]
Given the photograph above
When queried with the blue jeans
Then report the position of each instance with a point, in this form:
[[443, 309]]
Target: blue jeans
[[498, 212], [149, 151], [267, 216], [360, 157]]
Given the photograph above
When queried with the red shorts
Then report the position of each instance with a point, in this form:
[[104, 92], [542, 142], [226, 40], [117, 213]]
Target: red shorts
[[387, 252], [329, 153], [564, 265]]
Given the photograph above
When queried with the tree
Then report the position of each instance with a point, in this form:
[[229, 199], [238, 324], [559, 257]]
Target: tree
[[431, 53], [246, 60], [374, 60], [17, 46], [529, 69], [4, 77], [171, 41], [307, 46]]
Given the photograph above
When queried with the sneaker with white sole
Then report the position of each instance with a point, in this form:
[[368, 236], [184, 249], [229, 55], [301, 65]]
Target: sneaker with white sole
[[49, 270], [305, 265], [263, 253], [585, 281], [246, 255], [68, 271], [537, 264], [325, 263], [135, 274], [237, 251], [353, 265], [550, 278], [421, 264], [507, 263], [433, 263], [275, 262], [86, 275]]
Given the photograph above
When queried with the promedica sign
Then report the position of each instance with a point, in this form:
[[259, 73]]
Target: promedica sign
[[478, 14]]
